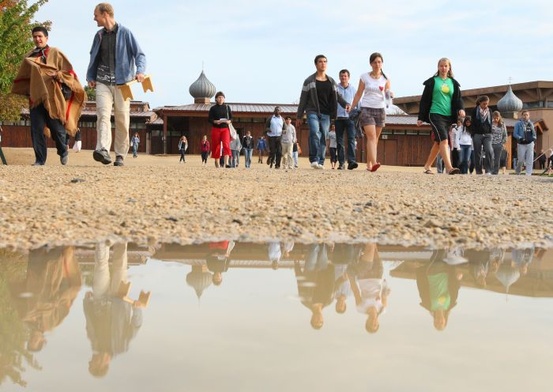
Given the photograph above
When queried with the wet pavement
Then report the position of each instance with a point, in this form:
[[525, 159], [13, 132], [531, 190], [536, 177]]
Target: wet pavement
[[226, 316]]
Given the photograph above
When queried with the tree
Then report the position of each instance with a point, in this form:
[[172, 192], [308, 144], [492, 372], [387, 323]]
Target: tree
[[90, 93], [16, 23]]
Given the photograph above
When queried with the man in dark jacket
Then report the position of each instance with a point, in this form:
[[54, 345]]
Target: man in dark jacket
[[319, 99]]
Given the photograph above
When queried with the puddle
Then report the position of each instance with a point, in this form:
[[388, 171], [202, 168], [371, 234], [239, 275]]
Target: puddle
[[227, 316]]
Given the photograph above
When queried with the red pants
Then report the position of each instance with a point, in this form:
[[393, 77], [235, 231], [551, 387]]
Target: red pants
[[219, 135]]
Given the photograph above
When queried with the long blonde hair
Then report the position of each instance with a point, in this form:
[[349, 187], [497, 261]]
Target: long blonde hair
[[448, 61], [498, 115]]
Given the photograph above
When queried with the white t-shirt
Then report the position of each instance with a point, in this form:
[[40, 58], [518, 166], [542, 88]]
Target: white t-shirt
[[374, 94]]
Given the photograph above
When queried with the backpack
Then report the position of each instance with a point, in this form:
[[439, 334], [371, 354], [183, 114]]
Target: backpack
[[528, 135], [354, 115]]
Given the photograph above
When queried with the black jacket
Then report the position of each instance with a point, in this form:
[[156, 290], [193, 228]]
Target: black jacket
[[426, 100]]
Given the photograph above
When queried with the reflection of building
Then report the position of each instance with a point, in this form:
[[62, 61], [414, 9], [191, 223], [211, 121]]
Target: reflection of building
[[199, 278], [537, 282]]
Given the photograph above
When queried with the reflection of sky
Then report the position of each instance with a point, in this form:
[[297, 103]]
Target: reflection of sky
[[253, 334]]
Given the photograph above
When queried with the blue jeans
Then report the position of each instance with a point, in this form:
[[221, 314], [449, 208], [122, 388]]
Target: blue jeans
[[235, 158], [347, 126], [464, 158], [317, 258], [248, 156], [39, 119], [482, 141], [318, 133]]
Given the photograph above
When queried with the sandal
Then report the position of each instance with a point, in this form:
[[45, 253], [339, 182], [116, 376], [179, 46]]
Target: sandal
[[454, 171], [375, 167], [428, 171]]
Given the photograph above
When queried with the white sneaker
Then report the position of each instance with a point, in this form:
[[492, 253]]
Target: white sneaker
[[321, 167], [315, 165]]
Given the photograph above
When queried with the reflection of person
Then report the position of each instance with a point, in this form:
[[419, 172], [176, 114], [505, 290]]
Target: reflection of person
[[440, 105], [54, 280], [113, 57], [374, 89], [112, 319], [315, 282], [56, 97], [438, 284], [220, 115], [480, 264], [218, 259], [368, 286], [319, 99], [274, 251], [343, 255], [522, 257]]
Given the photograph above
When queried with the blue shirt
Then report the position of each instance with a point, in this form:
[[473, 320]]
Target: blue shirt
[[347, 93], [128, 56]]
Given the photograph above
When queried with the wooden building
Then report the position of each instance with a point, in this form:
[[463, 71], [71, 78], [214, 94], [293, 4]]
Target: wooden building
[[402, 143]]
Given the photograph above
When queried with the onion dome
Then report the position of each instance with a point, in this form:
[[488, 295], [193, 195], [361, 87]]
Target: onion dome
[[199, 279], [510, 103], [202, 89]]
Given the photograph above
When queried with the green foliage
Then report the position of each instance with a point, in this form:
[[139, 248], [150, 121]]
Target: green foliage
[[90, 93], [14, 358], [16, 23]]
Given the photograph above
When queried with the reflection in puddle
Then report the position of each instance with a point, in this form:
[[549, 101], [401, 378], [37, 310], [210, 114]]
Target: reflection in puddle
[[275, 316]]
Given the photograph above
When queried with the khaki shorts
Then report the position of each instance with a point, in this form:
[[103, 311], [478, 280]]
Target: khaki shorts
[[371, 116]]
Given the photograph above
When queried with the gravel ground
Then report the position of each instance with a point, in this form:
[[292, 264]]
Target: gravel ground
[[155, 199]]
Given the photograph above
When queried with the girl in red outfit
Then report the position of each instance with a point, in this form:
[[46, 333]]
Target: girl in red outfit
[[220, 117]]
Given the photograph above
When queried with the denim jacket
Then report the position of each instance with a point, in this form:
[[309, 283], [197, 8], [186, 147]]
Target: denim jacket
[[127, 52]]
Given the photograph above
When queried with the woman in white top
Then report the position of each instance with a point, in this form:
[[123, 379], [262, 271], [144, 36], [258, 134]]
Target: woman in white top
[[373, 90], [464, 140]]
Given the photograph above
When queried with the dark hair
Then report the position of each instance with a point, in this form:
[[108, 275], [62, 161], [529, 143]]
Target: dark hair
[[344, 71], [373, 57], [482, 98], [219, 94], [41, 29], [467, 118], [319, 56]]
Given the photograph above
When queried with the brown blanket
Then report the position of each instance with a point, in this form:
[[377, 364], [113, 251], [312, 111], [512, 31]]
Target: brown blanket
[[34, 80]]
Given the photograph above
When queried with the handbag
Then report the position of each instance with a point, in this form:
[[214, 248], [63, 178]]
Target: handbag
[[232, 130]]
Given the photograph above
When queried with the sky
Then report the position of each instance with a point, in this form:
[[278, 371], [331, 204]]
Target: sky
[[262, 51]]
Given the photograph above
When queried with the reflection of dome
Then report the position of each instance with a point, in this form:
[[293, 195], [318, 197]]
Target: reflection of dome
[[507, 275], [510, 102], [199, 278], [202, 89]]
